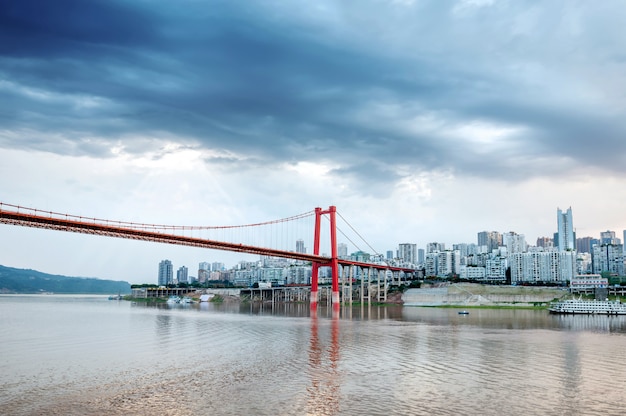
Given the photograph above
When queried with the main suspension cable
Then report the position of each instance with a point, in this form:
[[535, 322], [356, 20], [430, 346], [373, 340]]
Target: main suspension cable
[[143, 226]]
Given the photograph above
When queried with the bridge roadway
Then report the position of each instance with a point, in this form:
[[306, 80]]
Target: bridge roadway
[[55, 221]]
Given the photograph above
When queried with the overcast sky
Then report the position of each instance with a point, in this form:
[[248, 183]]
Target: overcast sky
[[420, 120]]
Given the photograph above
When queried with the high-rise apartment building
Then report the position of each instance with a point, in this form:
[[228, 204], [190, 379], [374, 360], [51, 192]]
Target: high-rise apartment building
[[299, 275], [407, 252], [585, 244], [608, 237], [435, 247], [514, 243], [182, 275], [536, 267], [166, 273], [495, 269], [490, 239], [608, 258], [566, 236], [448, 263], [431, 264], [462, 248], [545, 242], [300, 246], [204, 271], [342, 250]]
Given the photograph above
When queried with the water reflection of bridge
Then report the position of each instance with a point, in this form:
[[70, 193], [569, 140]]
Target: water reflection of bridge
[[323, 393]]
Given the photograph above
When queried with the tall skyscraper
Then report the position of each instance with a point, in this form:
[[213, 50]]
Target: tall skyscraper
[[166, 273], [566, 236]]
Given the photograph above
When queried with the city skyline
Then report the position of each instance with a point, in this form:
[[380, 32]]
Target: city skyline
[[490, 240], [217, 256], [420, 121]]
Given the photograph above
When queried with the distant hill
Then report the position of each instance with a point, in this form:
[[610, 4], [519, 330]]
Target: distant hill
[[31, 281]]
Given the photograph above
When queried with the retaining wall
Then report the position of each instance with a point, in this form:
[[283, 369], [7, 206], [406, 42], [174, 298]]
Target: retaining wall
[[468, 294]]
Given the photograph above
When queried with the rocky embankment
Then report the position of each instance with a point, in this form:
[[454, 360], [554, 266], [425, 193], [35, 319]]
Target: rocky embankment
[[470, 294]]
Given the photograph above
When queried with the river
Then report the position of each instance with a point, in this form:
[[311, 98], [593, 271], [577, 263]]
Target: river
[[86, 355]]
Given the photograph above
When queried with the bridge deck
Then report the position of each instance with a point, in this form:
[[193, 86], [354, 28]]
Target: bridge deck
[[55, 221]]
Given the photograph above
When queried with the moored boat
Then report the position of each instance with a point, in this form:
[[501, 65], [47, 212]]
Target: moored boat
[[588, 307]]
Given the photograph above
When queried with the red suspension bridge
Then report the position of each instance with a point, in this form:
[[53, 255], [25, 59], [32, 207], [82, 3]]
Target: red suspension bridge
[[192, 236]]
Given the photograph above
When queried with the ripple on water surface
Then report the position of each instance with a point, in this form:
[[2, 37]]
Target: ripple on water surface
[[89, 356]]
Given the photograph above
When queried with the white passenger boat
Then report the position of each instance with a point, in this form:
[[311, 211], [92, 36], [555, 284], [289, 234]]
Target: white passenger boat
[[588, 307]]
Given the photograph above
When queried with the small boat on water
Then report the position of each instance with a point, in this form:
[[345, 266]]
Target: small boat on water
[[463, 313], [588, 307]]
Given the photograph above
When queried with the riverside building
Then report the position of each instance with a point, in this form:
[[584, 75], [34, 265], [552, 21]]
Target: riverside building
[[543, 267], [588, 283]]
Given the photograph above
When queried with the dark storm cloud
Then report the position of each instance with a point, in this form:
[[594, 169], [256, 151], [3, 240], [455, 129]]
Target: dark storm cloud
[[271, 84], [229, 82], [48, 29]]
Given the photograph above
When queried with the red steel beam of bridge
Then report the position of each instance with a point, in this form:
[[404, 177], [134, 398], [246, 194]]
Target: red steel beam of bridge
[[86, 227], [56, 221]]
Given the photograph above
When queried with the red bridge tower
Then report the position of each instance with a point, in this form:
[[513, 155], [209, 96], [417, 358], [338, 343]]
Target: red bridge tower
[[334, 262]]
